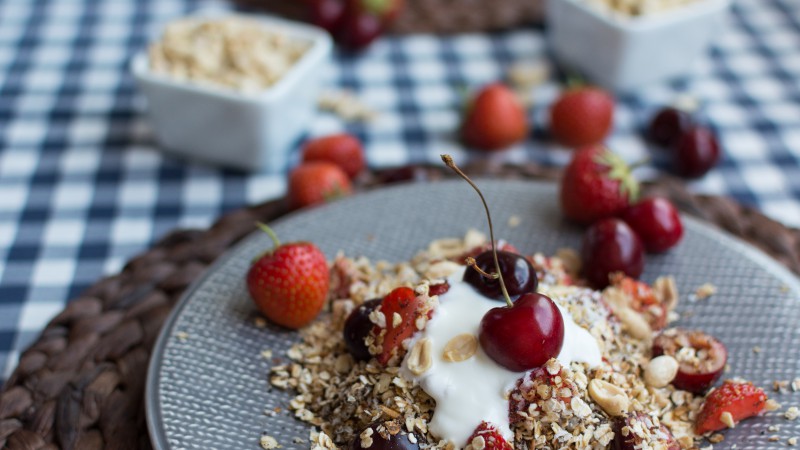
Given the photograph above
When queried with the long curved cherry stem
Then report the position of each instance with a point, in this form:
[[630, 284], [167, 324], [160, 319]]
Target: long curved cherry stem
[[448, 160]]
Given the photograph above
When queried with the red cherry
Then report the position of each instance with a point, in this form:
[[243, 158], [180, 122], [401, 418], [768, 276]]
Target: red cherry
[[694, 375], [523, 336], [696, 152], [668, 125], [610, 246], [656, 222], [326, 14]]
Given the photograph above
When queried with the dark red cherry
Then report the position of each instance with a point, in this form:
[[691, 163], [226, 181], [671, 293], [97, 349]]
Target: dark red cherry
[[701, 366], [518, 275], [326, 14], [656, 222], [610, 246], [389, 435], [357, 327], [642, 432], [668, 125], [696, 152], [523, 336]]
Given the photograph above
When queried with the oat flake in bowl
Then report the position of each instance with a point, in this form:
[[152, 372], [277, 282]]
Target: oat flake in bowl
[[234, 52]]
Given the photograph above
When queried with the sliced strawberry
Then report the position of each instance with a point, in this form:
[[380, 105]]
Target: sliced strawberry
[[492, 439], [404, 302], [741, 400], [643, 300]]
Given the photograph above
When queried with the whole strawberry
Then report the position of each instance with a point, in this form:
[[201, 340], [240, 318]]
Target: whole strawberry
[[596, 184], [342, 149], [289, 284], [494, 119], [582, 116], [317, 182]]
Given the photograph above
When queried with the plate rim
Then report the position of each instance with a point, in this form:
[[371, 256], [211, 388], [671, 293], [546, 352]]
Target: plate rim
[[153, 413]]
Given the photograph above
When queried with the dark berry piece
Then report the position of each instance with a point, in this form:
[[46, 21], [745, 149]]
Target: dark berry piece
[[705, 361], [668, 125], [610, 246], [696, 152], [656, 222], [517, 272], [357, 327]]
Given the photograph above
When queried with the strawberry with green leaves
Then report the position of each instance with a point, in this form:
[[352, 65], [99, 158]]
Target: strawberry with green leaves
[[289, 284], [597, 184]]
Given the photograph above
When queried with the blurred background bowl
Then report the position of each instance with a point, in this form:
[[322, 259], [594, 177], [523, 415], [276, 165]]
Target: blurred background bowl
[[623, 53], [245, 131]]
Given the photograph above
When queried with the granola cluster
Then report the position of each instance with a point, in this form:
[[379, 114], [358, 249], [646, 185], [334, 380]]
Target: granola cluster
[[233, 52], [635, 8], [553, 407]]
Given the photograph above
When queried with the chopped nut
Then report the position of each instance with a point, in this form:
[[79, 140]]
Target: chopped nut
[[792, 413], [634, 323], [611, 398], [666, 292], [792, 441], [514, 221], [727, 419], [660, 371], [570, 259], [772, 405], [705, 291], [716, 438], [419, 358], [268, 442], [460, 348]]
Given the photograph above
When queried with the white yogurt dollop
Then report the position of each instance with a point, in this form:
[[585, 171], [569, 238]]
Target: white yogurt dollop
[[476, 390]]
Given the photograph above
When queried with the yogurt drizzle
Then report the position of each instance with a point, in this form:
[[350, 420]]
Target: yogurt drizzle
[[476, 390]]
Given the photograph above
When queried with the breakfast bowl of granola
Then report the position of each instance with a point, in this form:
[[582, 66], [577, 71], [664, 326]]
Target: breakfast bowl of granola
[[415, 348], [232, 89]]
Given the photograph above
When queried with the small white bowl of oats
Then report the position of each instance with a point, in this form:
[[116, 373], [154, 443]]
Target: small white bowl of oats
[[233, 90], [623, 45]]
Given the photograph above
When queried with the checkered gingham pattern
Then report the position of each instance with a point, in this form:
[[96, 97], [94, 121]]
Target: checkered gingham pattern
[[83, 185]]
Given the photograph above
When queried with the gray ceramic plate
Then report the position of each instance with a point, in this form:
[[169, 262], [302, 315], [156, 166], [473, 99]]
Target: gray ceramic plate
[[207, 385]]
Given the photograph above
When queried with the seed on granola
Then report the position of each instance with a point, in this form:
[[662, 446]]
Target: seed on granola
[[610, 398], [419, 358], [460, 348]]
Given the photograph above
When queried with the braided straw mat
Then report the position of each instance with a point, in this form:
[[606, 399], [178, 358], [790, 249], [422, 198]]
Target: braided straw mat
[[435, 16], [81, 385]]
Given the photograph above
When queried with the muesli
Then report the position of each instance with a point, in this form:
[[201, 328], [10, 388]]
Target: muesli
[[402, 360]]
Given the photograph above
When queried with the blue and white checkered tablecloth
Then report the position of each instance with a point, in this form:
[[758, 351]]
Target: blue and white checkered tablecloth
[[83, 186]]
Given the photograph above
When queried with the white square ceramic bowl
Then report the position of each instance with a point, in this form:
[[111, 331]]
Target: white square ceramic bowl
[[625, 53], [246, 131]]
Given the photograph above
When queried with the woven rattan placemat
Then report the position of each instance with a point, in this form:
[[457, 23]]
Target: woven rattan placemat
[[435, 16], [80, 385]]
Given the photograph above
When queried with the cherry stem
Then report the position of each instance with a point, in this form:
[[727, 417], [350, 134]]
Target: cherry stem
[[448, 160], [472, 263], [270, 233]]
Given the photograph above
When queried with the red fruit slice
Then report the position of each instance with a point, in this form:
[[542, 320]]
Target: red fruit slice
[[740, 400], [439, 289], [638, 430], [643, 300], [701, 358], [492, 439], [404, 302]]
